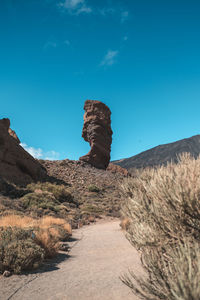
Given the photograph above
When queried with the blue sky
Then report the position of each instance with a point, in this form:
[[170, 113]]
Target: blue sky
[[141, 58]]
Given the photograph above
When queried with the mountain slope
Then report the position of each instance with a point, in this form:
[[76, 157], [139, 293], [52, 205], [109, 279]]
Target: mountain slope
[[162, 154]]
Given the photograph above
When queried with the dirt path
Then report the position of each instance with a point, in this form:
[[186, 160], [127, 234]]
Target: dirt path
[[99, 255]]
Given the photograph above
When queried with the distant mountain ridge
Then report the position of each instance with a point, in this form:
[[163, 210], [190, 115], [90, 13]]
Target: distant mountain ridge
[[162, 154]]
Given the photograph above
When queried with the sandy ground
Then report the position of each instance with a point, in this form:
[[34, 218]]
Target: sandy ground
[[100, 253]]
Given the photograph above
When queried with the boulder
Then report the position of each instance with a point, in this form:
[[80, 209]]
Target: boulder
[[97, 131], [117, 169], [16, 165]]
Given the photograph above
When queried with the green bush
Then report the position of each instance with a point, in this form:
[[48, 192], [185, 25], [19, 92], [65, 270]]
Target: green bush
[[43, 200], [93, 188], [60, 192], [18, 251]]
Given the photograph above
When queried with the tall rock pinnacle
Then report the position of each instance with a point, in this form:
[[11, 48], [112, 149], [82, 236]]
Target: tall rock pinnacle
[[97, 131]]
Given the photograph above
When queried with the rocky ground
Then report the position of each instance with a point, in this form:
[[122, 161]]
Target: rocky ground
[[94, 192]]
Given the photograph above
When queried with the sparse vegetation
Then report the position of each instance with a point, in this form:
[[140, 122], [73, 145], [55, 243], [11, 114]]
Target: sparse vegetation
[[25, 242], [43, 200], [163, 206], [93, 188], [46, 196], [91, 209], [60, 192], [39, 199]]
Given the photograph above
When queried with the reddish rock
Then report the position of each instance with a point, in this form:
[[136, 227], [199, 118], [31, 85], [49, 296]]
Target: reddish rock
[[97, 131], [16, 165], [117, 169]]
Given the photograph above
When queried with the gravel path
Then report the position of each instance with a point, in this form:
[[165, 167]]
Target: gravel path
[[99, 255]]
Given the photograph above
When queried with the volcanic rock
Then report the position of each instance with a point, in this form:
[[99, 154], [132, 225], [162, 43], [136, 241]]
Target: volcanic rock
[[13, 134], [6, 273], [162, 154], [117, 169], [97, 131], [16, 165]]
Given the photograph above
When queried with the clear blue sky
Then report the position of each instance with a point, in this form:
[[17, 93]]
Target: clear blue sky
[[141, 58]]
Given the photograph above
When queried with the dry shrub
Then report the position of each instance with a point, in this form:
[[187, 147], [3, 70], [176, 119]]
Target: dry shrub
[[163, 205], [57, 227], [48, 221], [51, 231], [47, 241]]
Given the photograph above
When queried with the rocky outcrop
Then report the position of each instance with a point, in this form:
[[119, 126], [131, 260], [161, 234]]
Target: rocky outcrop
[[117, 169], [16, 165], [97, 131]]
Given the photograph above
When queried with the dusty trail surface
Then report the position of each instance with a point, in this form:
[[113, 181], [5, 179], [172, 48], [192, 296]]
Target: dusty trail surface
[[100, 254]]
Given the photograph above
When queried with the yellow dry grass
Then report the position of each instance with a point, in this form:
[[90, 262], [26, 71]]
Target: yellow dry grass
[[25, 222], [48, 242], [17, 221], [48, 221]]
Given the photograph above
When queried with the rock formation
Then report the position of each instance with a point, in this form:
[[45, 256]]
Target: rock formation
[[97, 131], [16, 165]]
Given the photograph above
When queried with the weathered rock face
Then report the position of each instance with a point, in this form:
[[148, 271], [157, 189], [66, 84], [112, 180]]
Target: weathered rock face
[[97, 131], [16, 165]]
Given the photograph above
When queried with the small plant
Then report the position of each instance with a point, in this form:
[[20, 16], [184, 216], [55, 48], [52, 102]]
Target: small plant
[[93, 188]]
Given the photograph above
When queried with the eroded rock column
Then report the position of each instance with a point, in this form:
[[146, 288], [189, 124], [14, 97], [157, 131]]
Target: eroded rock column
[[97, 131]]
